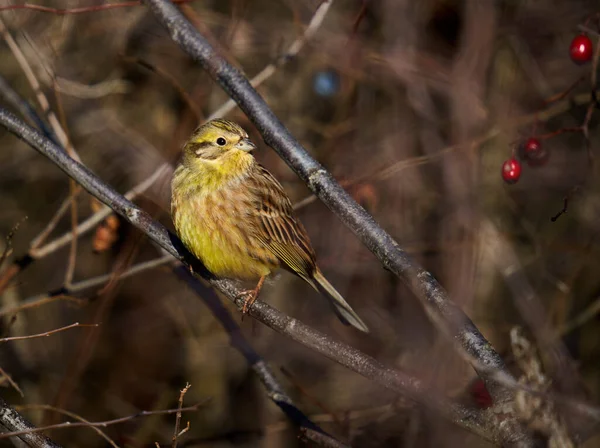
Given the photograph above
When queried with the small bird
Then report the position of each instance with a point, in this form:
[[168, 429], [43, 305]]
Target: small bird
[[236, 218]]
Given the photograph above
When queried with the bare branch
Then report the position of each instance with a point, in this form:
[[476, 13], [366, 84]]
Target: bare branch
[[36, 301], [80, 10], [176, 432], [24, 108], [103, 424], [37, 88], [47, 407], [11, 420], [97, 217], [11, 381], [47, 333]]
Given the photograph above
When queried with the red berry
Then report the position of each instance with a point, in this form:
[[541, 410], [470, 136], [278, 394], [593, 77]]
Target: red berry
[[511, 171], [481, 395], [534, 153], [581, 49], [532, 146]]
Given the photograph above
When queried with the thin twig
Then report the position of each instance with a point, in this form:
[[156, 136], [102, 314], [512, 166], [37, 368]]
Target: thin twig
[[310, 397], [581, 319], [64, 293], [73, 193], [47, 407], [176, 433], [35, 85], [11, 381], [80, 10], [41, 237], [7, 248], [91, 91], [102, 424], [47, 333], [37, 301], [23, 106], [585, 129], [97, 217]]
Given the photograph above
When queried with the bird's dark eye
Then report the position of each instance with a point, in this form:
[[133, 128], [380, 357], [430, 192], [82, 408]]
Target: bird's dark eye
[[221, 141]]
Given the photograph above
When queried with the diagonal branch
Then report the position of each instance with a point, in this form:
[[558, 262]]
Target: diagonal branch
[[12, 421], [433, 297], [484, 423]]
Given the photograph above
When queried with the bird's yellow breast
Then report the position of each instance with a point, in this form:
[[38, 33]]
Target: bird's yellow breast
[[208, 214]]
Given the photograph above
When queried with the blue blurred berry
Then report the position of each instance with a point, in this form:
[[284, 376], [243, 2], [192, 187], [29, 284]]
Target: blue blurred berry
[[326, 83]]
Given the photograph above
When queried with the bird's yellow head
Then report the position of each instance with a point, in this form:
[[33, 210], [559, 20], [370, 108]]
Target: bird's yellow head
[[217, 139]]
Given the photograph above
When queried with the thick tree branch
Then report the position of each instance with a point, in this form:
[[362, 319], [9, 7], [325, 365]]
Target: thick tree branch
[[12, 421], [480, 422], [434, 298]]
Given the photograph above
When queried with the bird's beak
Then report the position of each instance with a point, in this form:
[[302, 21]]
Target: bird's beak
[[245, 145]]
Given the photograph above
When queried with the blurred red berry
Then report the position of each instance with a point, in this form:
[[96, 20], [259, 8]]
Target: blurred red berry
[[480, 394], [581, 49], [511, 171], [532, 145], [535, 153]]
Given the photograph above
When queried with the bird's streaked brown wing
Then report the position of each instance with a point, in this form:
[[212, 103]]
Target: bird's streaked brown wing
[[276, 226]]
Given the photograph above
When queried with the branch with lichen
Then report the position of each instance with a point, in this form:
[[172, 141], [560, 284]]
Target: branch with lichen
[[13, 422]]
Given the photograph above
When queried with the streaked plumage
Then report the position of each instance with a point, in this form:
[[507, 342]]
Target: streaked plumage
[[235, 217]]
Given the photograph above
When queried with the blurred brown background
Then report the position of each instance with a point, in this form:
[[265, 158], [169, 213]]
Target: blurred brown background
[[413, 104]]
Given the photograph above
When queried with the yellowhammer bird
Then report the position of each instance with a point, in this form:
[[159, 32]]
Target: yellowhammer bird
[[236, 218]]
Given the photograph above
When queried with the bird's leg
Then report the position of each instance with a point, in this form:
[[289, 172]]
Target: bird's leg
[[252, 295]]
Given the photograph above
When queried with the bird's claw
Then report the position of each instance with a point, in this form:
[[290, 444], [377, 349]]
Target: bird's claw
[[249, 298]]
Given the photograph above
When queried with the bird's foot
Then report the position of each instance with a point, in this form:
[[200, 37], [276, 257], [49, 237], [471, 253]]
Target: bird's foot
[[250, 296]]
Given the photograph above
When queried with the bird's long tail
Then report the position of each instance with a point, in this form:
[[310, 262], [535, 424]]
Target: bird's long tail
[[343, 310]]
